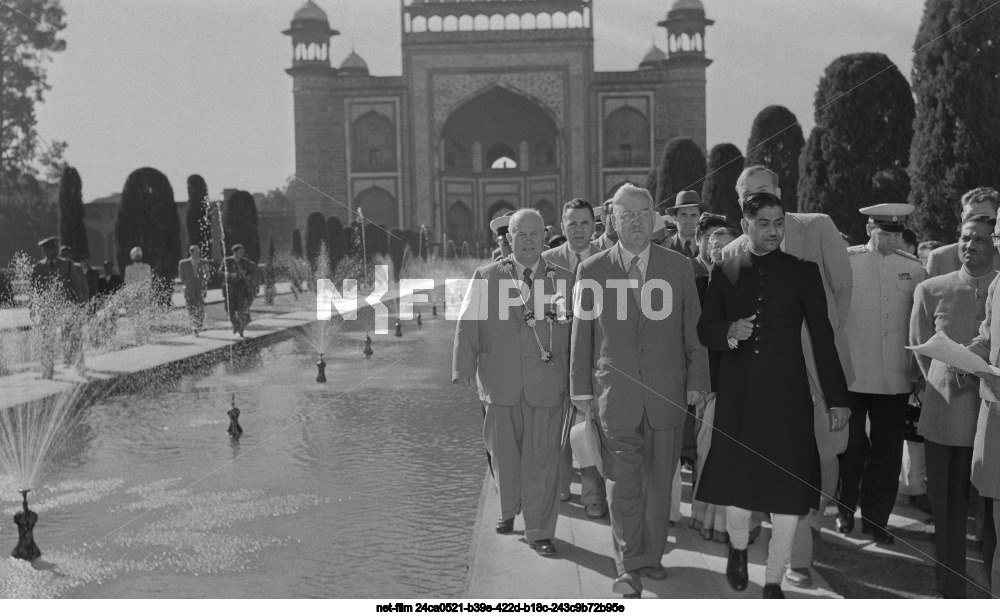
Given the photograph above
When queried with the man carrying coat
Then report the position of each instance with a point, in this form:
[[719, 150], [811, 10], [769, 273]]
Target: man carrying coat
[[635, 365], [764, 455]]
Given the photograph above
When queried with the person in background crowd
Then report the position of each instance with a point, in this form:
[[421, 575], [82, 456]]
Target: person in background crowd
[[813, 237], [707, 224], [633, 378], [885, 372], [755, 307], [607, 221], [54, 267], [91, 275], [955, 304], [241, 287], [193, 273], [846, 238], [986, 448], [944, 260], [521, 378], [110, 281], [909, 242], [685, 211], [137, 271], [924, 250], [80, 288], [499, 227], [578, 227], [718, 241], [556, 241]]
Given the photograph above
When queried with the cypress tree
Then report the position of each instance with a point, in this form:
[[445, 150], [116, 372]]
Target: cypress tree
[[72, 230], [956, 82], [297, 243], [682, 167], [864, 123], [725, 163], [650, 184], [148, 218], [199, 227], [315, 234], [239, 220], [776, 142]]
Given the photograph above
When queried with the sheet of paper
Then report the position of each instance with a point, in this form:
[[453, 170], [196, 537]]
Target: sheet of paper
[[946, 350]]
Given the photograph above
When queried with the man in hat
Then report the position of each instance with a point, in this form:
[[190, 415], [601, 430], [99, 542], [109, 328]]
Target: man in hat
[[755, 306], [520, 364], [978, 201], [54, 267], [685, 211], [885, 373], [636, 365], [813, 237], [499, 227], [578, 227], [110, 281]]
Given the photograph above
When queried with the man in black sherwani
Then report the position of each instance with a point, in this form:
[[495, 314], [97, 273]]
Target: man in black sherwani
[[764, 455]]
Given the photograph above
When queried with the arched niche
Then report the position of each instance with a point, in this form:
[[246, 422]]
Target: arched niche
[[497, 22], [501, 156], [481, 22], [378, 206], [543, 21], [466, 23], [373, 143], [559, 20], [574, 20], [434, 23], [450, 23], [626, 138], [420, 23], [460, 223], [456, 156], [528, 21], [512, 22], [543, 156]]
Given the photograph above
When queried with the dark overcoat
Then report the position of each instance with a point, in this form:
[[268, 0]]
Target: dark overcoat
[[763, 455]]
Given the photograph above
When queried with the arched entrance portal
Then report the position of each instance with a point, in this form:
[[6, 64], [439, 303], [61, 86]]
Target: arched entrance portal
[[500, 151], [377, 206]]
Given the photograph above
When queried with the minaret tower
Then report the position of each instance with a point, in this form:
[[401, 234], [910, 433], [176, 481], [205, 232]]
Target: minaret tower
[[685, 25]]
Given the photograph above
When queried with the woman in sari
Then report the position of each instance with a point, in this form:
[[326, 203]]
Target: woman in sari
[[241, 287]]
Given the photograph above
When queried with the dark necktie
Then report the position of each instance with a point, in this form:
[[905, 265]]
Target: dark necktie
[[576, 265], [635, 274], [687, 249]]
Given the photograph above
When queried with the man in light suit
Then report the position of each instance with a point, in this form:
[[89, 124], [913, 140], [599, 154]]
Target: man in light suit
[[577, 227], [520, 363], [193, 273], [813, 237], [635, 365], [945, 260]]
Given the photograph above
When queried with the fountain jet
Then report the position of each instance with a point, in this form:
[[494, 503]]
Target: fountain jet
[[25, 520], [399, 329], [321, 370], [368, 347]]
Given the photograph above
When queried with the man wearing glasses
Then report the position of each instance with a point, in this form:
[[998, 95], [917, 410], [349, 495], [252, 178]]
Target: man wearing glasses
[[884, 371], [635, 365]]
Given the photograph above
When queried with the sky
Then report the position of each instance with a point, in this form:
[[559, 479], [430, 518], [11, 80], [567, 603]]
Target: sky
[[198, 86]]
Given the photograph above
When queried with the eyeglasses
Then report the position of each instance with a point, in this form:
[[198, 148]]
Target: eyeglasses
[[627, 217]]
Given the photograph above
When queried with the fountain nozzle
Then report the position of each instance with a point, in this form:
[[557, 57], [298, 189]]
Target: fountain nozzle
[[26, 549], [321, 370]]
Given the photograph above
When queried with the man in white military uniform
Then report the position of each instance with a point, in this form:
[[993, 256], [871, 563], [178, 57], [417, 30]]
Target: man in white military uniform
[[884, 371]]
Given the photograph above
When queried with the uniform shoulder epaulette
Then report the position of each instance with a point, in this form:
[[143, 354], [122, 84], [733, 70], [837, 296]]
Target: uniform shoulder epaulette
[[856, 250], [909, 256]]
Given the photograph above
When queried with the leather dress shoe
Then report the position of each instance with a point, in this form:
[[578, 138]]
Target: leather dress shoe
[[628, 585], [654, 572], [773, 591], [882, 537], [597, 511], [565, 496], [736, 569], [544, 547], [505, 527], [844, 523], [800, 577]]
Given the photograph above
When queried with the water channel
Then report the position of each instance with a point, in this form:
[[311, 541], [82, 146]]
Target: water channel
[[366, 486]]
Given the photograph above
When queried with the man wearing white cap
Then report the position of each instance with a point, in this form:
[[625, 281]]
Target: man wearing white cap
[[885, 373], [499, 227], [137, 271]]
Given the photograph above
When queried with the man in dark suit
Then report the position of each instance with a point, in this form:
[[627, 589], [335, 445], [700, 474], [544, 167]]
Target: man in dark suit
[[110, 281], [604, 215], [754, 310], [685, 211], [635, 365], [54, 268], [520, 362], [577, 226], [707, 223]]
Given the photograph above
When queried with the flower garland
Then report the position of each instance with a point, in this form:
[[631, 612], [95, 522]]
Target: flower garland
[[551, 316]]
